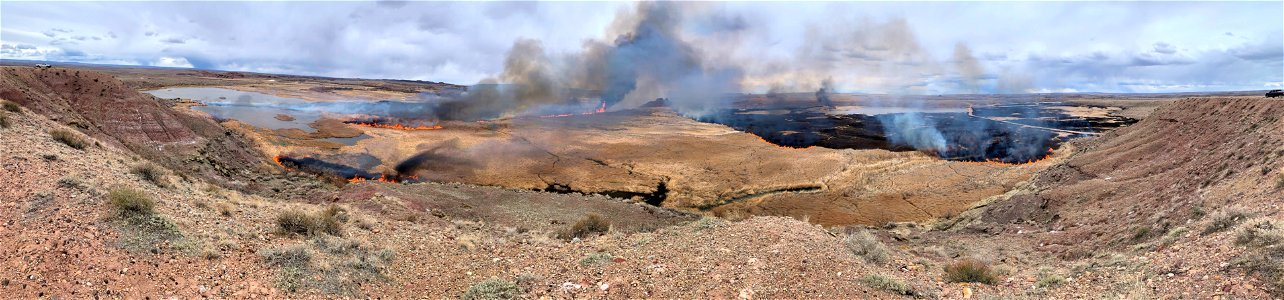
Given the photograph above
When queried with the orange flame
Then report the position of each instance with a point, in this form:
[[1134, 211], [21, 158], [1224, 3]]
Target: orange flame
[[396, 126]]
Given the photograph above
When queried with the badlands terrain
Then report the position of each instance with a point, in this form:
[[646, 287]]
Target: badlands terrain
[[111, 192]]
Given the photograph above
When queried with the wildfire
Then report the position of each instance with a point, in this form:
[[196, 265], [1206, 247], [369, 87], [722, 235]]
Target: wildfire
[[780, 146], [394, 126], [601, 108], [277, 160], [1008, 164], [384, 178]]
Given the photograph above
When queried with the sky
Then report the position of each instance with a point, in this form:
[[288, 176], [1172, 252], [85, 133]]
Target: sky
[[874, 47]]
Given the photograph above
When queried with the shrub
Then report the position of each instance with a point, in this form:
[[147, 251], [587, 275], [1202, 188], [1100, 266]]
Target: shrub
[[68, 138], [1261, 233], [1225, 219], [1279, 181], [295, 221], [865, 244], [71, 182], [11, 106], [329, 221], [493, 288], [969, 270], [1140, 233], [589, 225], [4, 121], [150, 173], [1264, 256], [129, 201], [1049, 280], [887, 284], [596, 258]]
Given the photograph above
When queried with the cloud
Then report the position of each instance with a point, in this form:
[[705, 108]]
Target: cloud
[[909, 48], [173, 62]]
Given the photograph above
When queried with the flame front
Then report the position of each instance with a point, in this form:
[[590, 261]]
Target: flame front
[[395, 126]]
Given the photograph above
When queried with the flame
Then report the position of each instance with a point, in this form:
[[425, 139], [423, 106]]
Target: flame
[[601, 108], [395, 126], [277, 159]]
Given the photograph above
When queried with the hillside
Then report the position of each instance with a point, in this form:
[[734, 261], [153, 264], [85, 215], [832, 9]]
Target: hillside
[[1183, 204]]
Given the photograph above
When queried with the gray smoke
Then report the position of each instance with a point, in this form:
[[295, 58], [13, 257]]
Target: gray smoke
[[647, 59], [970, 70]]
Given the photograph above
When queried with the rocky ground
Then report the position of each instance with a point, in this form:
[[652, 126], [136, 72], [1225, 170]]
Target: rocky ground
[[1181, 205]]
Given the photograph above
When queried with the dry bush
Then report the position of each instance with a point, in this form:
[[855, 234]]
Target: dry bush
[[329, 221], [1265, 255], [1279, 181], [329, 265], [1225, 219], [887, 284], [589, 225], [142, 229], [969, 270], [493, 288], [865, 244], [68, 138], [127, 201], [596, 258], [4, 121], [1261, 233], [11, 106], [150, 172]]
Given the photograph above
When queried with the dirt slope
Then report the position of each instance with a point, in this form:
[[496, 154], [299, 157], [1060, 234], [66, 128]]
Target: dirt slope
[[1198, 154], [101, 106]]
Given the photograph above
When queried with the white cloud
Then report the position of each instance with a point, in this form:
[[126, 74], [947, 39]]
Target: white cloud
[[1020, 46], [173, 62]]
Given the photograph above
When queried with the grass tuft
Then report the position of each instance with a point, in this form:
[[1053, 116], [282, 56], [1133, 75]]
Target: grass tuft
[[1226, 218], [68, 138], [590, 225], [328, 221], [151, 173], [130, 202], [596, 258], [969, 270], [11, 106], [493, 288]]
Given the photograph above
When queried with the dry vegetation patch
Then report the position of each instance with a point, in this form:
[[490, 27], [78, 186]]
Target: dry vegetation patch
[[866, 245], [328, 221], [493, 288], [969, 270], [330, 265], [591, 224], [68, 138]]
